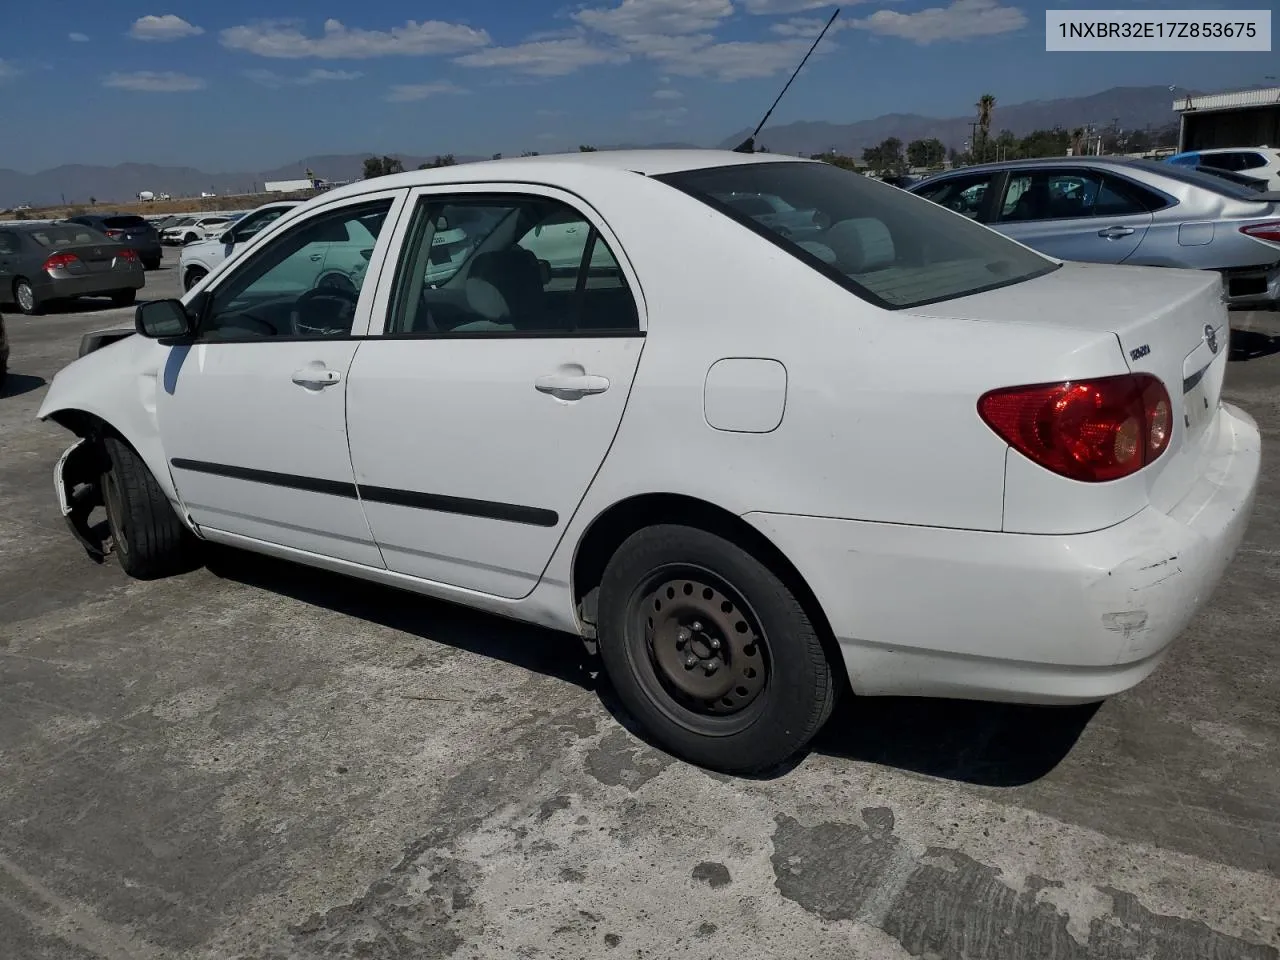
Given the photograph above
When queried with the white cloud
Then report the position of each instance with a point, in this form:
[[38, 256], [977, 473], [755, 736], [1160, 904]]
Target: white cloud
[[167, 27], [786, 6], [269, 78], [78, 37], [666, 93], [666, 115], [634, 18], [284, 39], [150, 81], [409, 92], [7, 70], [961, 20], [544, 58], [741, 60], [808, 28]]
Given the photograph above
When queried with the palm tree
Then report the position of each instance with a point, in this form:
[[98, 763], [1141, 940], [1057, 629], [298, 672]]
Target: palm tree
[[986, 112]]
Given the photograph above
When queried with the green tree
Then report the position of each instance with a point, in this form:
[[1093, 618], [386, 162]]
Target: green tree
[[496, 156], [837, 160], [93, 201], [529, 153], [926, 153], [583, 148], [885, 157], [382, 166], [440, 161], [986, 106]]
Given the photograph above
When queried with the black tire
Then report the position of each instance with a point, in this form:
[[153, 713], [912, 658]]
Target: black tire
[[190, 238], [192, 277], [151, 264], [24, 295], [150, 541], [123, 298], [750, 615]]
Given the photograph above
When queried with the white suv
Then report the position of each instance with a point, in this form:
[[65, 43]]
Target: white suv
[[193, 229], [199, 258], [1261, 163]]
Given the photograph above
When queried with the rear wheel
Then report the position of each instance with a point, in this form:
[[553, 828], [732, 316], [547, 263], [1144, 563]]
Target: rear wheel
[[151, 264], [190, 238], [25, 296], [711, 651], [149, 539], [122, 298]]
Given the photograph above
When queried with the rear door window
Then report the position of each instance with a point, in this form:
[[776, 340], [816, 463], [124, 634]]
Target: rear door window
[[123, 222]]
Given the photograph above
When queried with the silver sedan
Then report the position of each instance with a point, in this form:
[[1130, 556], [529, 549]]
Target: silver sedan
[[1119, 210]]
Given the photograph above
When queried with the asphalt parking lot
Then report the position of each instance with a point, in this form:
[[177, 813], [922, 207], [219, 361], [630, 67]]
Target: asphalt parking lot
[[262, 761]]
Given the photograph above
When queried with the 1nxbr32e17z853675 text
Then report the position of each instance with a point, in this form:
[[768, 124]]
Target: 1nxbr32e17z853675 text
[[1154, 31]]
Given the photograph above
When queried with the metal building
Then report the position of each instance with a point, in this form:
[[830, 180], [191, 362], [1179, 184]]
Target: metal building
[[1250, 118]]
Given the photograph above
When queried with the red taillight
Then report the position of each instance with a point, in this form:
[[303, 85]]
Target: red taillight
[[60, 260], [1089, 430], [1264, 231], [127, 255]]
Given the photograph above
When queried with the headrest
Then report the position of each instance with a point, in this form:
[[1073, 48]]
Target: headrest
[[861, 244]]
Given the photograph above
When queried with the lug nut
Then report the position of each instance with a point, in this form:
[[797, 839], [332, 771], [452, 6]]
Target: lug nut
[[697, 626], [714, 643], [711, 667], [690, 662]]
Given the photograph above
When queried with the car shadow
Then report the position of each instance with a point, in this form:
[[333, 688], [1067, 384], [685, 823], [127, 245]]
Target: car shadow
[[985, 744], [1250, 345], [83, 305], [549, 652], [1002, 745], [16, 384]]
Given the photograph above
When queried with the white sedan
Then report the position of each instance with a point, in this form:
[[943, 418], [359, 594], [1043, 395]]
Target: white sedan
[[892, 452], [201, 257]]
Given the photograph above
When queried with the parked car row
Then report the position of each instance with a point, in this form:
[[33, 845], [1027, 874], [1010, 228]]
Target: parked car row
[[1126, 211], [730, 443]]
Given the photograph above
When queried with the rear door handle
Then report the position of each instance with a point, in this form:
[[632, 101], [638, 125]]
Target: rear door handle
[[1114, 233], [566, 386], [316, 378], [316, 257]]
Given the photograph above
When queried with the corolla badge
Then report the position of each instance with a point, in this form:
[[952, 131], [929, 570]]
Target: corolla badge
[[1211, 338]]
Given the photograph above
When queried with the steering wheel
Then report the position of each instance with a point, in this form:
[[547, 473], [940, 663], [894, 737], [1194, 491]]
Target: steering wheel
[[342, 307]]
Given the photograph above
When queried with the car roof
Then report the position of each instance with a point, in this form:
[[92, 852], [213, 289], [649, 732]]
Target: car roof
[[1118, 162], [562, 168], [1230, 149]]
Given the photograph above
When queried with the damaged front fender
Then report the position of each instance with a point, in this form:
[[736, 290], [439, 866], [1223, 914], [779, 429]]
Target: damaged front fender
[[77, 481]]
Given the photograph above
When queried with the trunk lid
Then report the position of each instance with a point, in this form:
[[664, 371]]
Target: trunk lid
[[1170, 323], [90, 257]]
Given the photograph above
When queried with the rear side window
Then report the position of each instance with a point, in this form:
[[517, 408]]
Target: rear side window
[[877, 241], [65, 235], [964, 195], [123, 222]]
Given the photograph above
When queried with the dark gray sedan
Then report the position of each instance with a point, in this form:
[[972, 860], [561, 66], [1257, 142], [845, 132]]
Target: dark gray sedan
[[131, 230], [1118, 210], [40, 263]]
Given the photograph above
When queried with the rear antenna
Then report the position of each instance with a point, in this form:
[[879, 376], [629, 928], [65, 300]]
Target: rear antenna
[[749, 145]]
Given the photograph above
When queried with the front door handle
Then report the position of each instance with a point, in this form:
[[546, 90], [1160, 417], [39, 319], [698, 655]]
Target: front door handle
[[1114, 233], [316, 378], [567, 386], [317, 257]]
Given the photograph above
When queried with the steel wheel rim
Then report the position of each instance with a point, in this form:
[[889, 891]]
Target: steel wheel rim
[[115, 510], [683, 613], [26, 296]]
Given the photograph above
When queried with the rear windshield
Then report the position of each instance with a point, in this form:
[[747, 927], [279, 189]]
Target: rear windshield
[[1194, 177], [120, 223], [881, 243], [65, 235]]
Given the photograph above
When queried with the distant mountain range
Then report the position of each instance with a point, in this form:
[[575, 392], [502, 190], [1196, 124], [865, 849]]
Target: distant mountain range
[[1129, 107]]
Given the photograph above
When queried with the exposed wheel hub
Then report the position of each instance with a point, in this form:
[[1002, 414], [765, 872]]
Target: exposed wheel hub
[[704, 645]]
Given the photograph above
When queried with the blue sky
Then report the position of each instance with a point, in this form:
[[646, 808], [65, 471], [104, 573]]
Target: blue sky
[[251, 84]]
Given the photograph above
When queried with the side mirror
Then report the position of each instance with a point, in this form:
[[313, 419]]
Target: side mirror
[[228, 238], [163, 320]]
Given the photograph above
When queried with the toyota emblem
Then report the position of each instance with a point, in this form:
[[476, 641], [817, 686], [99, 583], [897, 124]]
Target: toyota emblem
[[1210, 338]]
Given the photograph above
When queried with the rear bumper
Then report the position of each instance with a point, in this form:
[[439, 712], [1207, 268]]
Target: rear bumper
[[90, 285], [1245, 287], [927, 611]]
